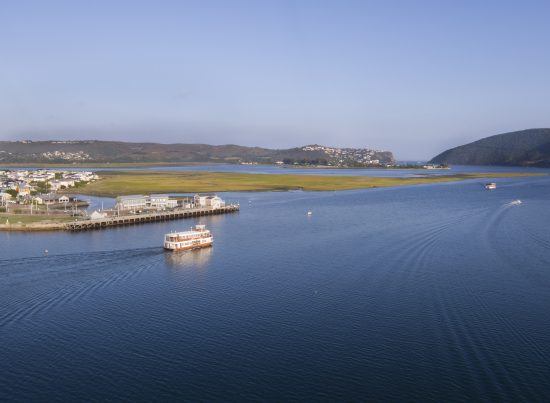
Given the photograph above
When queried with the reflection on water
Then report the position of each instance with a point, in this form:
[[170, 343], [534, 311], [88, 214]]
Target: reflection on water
[[188, 259]]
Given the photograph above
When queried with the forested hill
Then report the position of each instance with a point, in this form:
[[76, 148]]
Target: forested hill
[[522, 148], [123, 152]]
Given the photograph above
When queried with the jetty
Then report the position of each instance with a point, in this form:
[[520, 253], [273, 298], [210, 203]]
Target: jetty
[[176, 214], [81, 224]]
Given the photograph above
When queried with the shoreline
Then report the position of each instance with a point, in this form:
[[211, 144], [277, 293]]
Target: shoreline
[[118, 183]]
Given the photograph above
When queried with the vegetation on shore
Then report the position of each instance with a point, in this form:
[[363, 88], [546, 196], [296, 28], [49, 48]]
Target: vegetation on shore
[[33, 218], [115, 183]]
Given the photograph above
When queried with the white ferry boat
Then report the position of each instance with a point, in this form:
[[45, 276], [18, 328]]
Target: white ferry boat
[[197, 237], [490, 185]]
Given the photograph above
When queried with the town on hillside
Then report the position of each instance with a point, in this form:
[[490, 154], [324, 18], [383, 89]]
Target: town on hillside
[[351, 157]]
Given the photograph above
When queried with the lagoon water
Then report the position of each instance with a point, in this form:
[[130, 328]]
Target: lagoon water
[[434, 292]]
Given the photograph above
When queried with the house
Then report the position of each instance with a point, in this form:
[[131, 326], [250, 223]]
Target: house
[[131, 202], [208, 201], [162, 201], [214, 202], [49, 198], [158, 201], [171, 203], [199, 201], [61, 184], [38, 200], [52, 198], [96, 215]]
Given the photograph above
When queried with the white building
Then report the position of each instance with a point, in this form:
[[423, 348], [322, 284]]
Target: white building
[[199, 200], [209, 201], [171, 203], [214, 202], [131, 202], [158, 201], [96, 215]]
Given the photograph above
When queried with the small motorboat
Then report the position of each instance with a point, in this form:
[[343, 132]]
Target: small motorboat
[[490, 186]]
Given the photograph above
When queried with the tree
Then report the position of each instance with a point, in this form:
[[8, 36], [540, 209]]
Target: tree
[[12, 192], [43, 187]]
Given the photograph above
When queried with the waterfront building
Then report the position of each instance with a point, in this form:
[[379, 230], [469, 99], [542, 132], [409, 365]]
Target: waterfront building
[[159, 201], [131, 202], [213, 201], [96, 215]]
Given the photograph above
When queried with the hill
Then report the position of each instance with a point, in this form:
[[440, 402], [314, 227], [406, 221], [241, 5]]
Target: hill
[[522, 148], [123, 152]]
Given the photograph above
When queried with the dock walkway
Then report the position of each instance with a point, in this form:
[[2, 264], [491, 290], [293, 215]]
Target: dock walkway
[[81, 225]]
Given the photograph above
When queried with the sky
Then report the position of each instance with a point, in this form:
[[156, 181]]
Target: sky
[[412, 77]]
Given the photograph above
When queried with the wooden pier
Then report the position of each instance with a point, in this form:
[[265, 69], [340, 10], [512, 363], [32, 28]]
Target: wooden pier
[[115, 221]]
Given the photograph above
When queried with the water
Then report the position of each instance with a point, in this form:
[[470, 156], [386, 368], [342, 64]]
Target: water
[[272, 169], [434, 292]]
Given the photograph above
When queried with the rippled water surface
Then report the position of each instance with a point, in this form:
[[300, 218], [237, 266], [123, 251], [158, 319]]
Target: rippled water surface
[[437, 292]]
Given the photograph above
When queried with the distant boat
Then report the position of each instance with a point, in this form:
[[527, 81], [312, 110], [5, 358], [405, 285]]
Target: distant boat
[[490, 186], [516, 202], [309, 213]]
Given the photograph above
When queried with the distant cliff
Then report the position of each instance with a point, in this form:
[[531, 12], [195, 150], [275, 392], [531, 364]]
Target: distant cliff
[[522, 148], [118, 152]]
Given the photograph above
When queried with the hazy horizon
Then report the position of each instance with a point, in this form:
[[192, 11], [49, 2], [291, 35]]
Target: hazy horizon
[[414, 79]]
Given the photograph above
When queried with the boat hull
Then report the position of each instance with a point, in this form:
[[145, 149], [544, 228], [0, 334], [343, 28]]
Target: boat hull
[[187, 247]]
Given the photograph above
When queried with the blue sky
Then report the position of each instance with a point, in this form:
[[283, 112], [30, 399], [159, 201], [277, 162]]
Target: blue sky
[[414, 77]]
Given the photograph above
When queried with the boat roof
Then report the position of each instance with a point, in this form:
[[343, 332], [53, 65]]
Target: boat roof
[[185, 233]]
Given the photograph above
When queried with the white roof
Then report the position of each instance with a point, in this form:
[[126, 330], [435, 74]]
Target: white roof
[[130, 197], [187, 233]]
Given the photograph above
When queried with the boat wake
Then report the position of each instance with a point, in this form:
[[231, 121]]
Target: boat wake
[[514, 203], [67, 279]]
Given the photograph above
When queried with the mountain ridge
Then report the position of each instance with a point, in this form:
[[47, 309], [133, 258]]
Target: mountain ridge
[[99, 151]]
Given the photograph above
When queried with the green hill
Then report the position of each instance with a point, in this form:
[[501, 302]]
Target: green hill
[[522, 148]]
